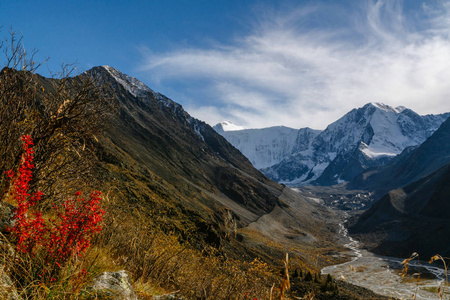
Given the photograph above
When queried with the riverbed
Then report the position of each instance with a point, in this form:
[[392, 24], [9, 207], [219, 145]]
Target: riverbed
[[382, 274]]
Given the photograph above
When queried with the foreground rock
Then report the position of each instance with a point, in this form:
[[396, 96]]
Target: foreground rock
[[7, 288], [115, 285]]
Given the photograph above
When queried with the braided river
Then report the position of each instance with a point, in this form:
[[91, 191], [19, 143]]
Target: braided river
[[382, 274]]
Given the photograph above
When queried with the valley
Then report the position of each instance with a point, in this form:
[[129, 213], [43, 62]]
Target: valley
[[339, 197], [224, 150], [389, 185], [179, 189], [378, 273], [211, 196]]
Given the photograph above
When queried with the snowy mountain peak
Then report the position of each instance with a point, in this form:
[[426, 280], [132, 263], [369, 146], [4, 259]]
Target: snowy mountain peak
[[268, 146], [385, 107], [227, 126], [131, 84]]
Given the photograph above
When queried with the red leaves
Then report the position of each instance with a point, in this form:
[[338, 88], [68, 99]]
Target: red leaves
[[29, 225], [78, 221], [62, 238]]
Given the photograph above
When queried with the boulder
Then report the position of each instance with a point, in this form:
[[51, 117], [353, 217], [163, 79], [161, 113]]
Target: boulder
[[113, 285]]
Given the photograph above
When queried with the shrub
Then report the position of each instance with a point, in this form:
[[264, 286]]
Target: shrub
[[52, 241]]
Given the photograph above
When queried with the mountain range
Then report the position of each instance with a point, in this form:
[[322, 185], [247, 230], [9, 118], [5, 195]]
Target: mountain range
[[166, 173], [180, 200], [363, 138]]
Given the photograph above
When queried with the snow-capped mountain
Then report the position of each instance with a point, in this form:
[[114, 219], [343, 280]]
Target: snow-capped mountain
[[268, 146], [365, 137]]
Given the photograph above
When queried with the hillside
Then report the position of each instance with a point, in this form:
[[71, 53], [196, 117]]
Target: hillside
[[410, 219], [157, 148], [184, 208]]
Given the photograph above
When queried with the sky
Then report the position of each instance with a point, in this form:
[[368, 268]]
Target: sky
[[254, 63]]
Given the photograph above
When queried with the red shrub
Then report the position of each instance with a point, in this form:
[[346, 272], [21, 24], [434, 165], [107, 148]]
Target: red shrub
[[60, 239]]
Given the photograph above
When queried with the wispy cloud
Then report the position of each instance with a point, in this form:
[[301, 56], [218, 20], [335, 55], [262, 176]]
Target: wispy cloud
[[290, 71]]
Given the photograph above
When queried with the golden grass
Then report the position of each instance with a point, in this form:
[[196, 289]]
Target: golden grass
[[160, 262], [158, 259], [285, 284]]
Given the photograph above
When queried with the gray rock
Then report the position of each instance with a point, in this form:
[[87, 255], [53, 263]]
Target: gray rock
[[6, 213], [114, 285], [172, 296], [7, 289]]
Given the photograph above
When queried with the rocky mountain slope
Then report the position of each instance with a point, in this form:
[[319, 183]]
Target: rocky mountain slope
[[413, 213], [184, 208], [363, 138], [414, 218], [211, 190]]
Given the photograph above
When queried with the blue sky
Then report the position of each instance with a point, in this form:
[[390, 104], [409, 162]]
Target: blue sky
[[255, 63]]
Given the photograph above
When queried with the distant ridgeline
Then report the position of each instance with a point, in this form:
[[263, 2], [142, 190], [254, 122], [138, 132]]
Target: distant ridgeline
[[364, 138]]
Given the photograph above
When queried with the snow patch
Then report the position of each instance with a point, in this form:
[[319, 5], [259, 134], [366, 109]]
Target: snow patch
[[197, 131], [317, 200], [388, 108]]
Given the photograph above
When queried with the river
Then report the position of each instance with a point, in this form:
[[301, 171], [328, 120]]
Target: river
[[382, 274]]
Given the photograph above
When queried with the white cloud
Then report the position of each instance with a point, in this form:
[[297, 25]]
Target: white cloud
[[286, 74]]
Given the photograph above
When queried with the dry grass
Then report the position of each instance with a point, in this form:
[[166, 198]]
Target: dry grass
[[158, 259], [441, 289], [285, 284], [24, 272]]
